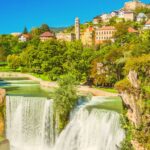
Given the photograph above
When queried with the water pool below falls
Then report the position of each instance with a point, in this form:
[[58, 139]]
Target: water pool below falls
[[30, 126]]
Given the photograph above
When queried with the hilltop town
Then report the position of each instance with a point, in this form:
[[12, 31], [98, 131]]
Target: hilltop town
[[109, 53], [102, 28]]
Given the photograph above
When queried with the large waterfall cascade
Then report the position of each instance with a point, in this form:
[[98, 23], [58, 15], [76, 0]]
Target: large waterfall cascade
[[29, 122], [30, 126]]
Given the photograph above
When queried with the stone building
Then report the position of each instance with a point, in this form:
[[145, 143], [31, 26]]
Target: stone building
[[126, 15], [65, 36], [104, 33], [132, 5], [129, 16]]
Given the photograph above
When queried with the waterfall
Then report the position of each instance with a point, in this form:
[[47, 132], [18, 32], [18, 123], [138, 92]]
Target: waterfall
[[29, 122], [30, 126], [92, 130]]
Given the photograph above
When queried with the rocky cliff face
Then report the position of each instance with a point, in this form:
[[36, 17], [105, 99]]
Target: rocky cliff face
[[2, 105], [132, 96]]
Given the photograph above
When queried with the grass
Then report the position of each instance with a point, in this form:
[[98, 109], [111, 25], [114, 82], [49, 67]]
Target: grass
[[42, 76], [4, 69], [3, 63], [111, 90], [8, 69]]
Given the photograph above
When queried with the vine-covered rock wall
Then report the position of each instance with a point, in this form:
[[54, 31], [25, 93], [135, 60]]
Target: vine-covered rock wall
[[2, 111]]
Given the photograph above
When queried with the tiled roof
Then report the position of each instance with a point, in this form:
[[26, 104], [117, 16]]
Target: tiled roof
[[47, 34], [132, 30], [28, 36], [107, 28], [91, 28], [148, 22]]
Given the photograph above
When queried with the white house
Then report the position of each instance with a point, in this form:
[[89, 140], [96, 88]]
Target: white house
[[141, 17], [114, 14], [97, 20], [24, 37], [106, 17], [121, 14]]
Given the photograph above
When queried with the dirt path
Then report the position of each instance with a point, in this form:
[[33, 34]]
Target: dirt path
[[95, 92]]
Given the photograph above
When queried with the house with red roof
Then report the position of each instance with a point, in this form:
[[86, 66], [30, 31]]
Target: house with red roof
[[87, 36], [47, 36], [147, 25], [24, 37]]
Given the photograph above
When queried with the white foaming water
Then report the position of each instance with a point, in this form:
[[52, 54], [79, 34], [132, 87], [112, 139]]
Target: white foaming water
[[92, 130], [29, 123], [30, 126]]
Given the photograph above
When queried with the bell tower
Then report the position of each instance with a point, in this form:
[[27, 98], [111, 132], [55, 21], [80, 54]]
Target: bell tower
[[77, 28]]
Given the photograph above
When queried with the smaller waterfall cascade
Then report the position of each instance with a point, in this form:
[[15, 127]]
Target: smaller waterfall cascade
[[94, 129], [29, 123], [97, 130]]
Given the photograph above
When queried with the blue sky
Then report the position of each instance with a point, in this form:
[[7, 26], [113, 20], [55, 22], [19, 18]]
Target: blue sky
[[15, 14]]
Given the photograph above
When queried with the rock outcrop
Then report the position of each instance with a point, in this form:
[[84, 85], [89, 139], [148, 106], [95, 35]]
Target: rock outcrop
[[131, 96]]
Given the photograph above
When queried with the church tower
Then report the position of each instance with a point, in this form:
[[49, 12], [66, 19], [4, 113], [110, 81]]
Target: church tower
[[77, 28]]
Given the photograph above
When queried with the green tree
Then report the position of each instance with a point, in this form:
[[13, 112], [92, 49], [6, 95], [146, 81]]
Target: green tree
[[44, 28], [2, 54], [65, 98], [13, 61]]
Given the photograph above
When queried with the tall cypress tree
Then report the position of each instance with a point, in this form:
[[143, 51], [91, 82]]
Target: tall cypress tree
[[25, 31]]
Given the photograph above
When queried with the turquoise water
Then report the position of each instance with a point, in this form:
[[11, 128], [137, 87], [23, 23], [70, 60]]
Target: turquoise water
[[106, 103], [30, 88], [24, 87]]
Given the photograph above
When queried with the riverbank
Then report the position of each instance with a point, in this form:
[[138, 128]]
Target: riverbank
[[48, 84]]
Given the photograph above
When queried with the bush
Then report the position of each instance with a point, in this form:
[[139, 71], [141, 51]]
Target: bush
[[141, 65], [123, 85]]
